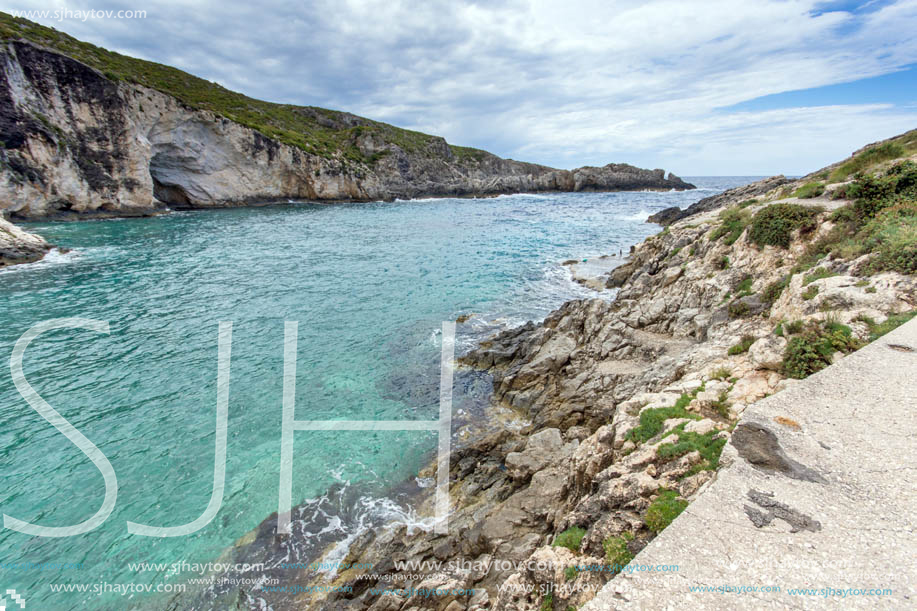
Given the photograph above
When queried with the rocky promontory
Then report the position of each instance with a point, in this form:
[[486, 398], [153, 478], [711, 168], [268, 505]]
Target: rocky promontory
[[86, 132]]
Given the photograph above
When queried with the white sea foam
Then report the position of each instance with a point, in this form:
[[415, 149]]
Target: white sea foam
[[642, 215], [54, 258], [371, 513]]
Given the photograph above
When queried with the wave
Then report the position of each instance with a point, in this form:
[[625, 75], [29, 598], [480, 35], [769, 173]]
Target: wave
[[338, 518], [640, 216], [54, 258], [373, 512]]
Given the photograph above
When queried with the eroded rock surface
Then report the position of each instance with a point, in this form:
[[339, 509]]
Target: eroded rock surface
[[75, 144], [18, 246]]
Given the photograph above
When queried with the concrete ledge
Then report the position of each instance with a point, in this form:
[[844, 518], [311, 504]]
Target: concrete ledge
[[844, 478]]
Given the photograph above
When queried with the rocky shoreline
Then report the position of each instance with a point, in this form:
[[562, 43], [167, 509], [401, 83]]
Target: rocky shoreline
[[18, 246], [625, 406]]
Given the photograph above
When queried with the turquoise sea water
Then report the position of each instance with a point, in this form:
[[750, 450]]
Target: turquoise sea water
[[370, 285]]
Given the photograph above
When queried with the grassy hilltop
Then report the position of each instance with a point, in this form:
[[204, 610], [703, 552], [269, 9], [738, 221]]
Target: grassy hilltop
[[318, 131]]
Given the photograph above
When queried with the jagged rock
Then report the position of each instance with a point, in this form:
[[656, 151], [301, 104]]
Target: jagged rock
[[701, 427], [767, 352], [619, 275], [542, 449], [738, 194], [18, 246], [666, 216]]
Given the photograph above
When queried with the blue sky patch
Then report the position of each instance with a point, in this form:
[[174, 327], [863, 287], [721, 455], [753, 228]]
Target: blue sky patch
[[898, 88]]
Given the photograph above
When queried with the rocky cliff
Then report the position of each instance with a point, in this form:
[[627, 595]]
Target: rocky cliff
[[76, 141], [85, 132], [622, 408]]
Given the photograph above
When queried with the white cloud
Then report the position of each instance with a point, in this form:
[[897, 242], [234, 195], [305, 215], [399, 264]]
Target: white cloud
[[558, 82]]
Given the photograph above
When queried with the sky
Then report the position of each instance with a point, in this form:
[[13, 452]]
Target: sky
[[698, 87]]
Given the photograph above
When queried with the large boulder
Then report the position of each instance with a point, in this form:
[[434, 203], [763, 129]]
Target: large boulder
[[667, 216], [542, 449], [18, 246]]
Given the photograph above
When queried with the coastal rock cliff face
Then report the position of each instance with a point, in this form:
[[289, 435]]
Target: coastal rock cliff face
[[621, 411], [75, 143], [18, 246]]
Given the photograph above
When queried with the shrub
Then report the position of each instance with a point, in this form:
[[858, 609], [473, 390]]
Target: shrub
[[839, 193], [651, 420], [794, 327], [892, 236], [810, 293], [708, 447], [570, 538], [802, 358], [617, 554], [723, 262], [773, 290], [812, 351], [775, 224], [877, 330], [872, 193], [722, 373], [744, 287], [570, 573], [882, 221], [663, 510], [818, 274], [844, 214], [743, 345], [810, 190], [721, 405], [869, 157], [738, 309], [547, 602], [734, 221]]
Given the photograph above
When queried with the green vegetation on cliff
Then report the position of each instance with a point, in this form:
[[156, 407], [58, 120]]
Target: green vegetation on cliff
[[882, 220], [571, 538], [774, 225], [869, 158], [319, 131], [814, 348], [664, 510]]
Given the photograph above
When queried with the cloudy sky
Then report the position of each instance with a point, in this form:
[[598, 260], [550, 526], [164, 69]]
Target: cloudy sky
[[698, 87]]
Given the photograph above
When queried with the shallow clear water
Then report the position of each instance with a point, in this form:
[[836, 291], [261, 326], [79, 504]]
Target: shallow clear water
[[369, 284]]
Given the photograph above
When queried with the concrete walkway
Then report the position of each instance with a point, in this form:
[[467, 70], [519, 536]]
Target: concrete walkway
[[818, 490]]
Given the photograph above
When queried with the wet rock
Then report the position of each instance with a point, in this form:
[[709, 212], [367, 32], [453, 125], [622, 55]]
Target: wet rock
[[667, 216], [18, 246]]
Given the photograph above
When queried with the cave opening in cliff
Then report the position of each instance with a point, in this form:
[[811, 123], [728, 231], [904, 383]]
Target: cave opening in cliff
[[165, 187]]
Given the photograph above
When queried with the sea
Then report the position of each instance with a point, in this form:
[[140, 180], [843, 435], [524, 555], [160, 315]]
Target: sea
[[370, 285]]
